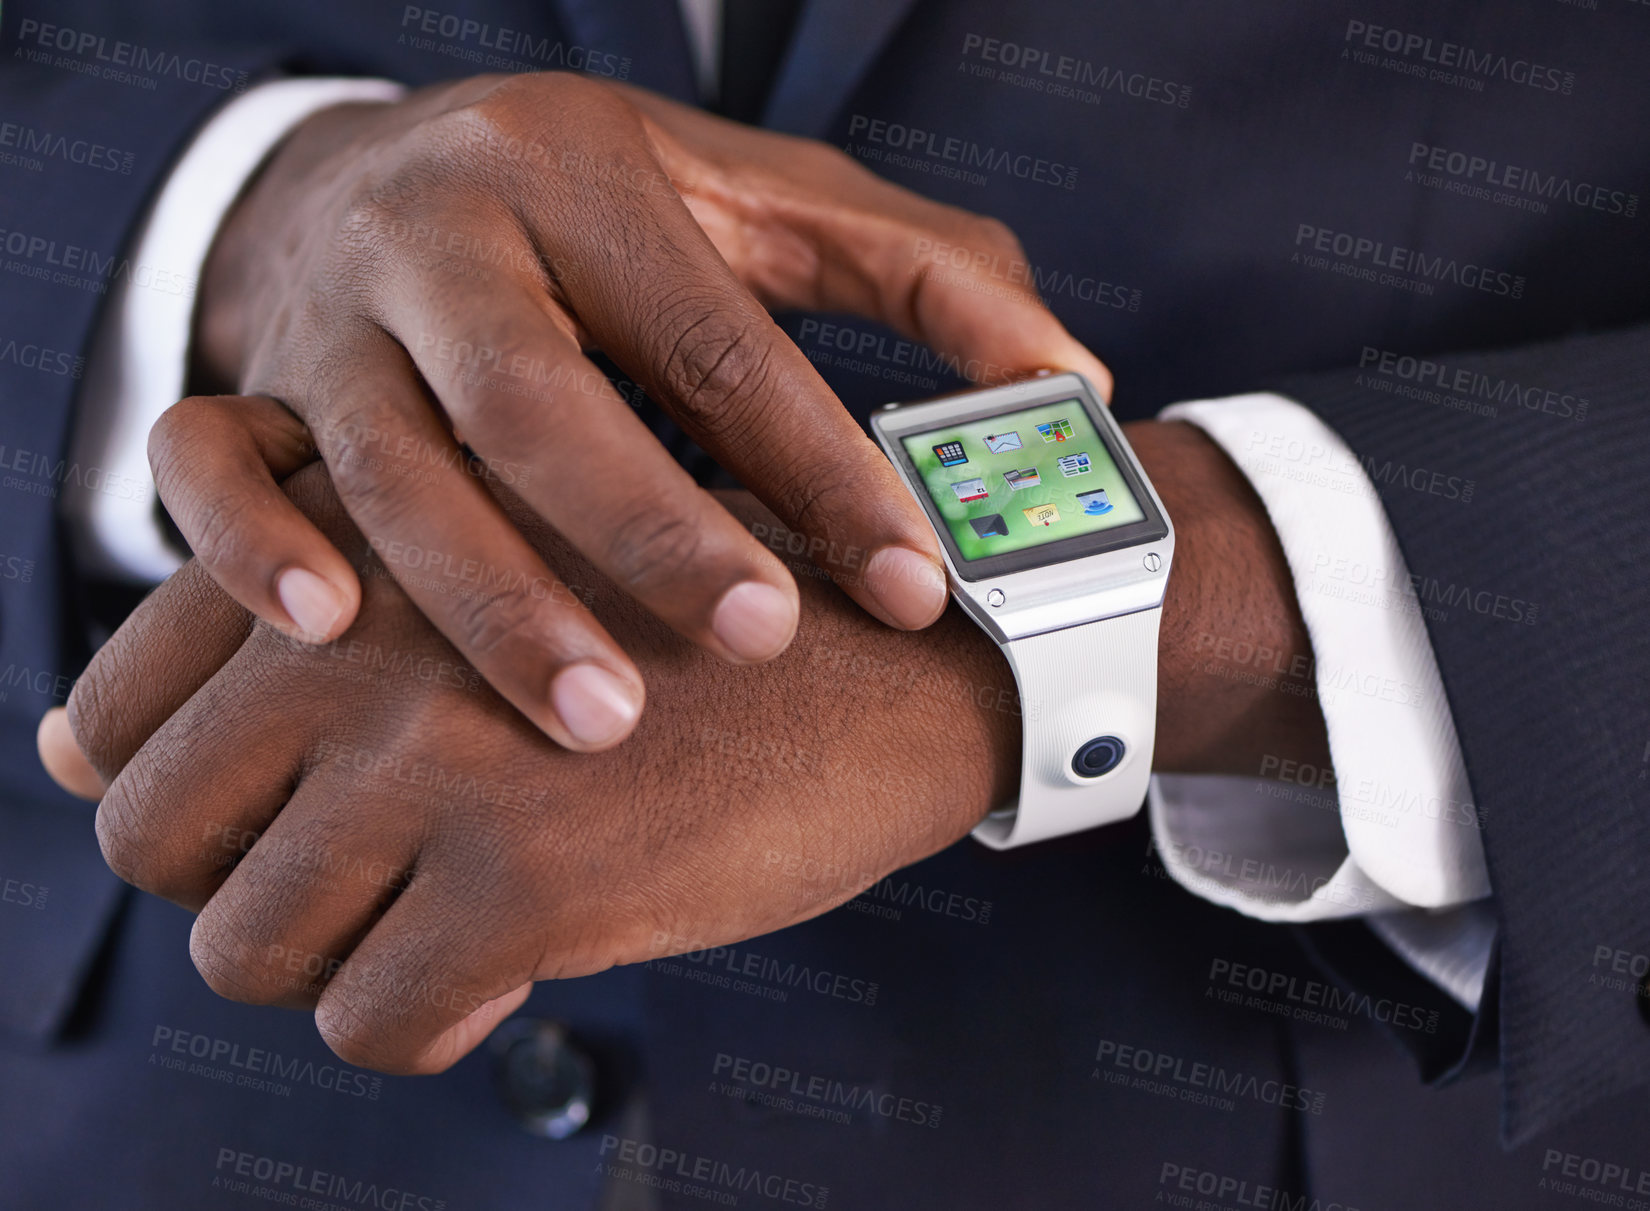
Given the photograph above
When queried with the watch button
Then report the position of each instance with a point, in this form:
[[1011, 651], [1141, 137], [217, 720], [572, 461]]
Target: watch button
[[996, 597], [1099, 756], [1153, 561]]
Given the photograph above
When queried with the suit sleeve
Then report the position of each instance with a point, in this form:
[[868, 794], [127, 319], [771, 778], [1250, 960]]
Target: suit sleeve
[[1514, 482], [139, 357], [85, 152], [84, 143]]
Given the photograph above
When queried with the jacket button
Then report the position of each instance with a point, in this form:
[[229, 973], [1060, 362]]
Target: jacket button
[[545, 1079]]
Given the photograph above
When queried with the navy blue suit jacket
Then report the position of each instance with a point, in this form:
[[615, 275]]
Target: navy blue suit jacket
[[1337, 199]]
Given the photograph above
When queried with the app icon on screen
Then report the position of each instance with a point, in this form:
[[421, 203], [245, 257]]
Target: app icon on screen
[[1042, 515], [1074, 464], [1002, 443], [1056, 430], [950, 454], [970, 489], [1027, 478], [1094, 503], [989, 527]]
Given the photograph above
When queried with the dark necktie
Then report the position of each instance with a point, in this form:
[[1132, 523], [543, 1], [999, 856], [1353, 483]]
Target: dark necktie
[[755, 35]]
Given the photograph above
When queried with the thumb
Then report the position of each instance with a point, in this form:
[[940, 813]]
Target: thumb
[[61, 756]]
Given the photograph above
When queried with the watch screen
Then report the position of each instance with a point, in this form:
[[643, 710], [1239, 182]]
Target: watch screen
[[1021, 479]]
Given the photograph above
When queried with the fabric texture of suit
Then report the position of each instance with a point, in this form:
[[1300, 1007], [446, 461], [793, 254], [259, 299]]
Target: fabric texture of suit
[[1187, 252]]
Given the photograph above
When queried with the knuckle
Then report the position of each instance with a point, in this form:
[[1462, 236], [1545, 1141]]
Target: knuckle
[[652, 550], [813, 496], [518, 99], [172, 445], [477, 364], [118, 836], [355, 1033], [371, 211], [717, 365], [231, 958], [505, 124], [96, 720], [135, 850], [356, 444], [176, 422], [490, 621], [217, 530], [994, 234]]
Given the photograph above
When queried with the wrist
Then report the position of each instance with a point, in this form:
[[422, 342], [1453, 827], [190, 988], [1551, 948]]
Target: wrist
[[939, 705], [1235, 677], [1235, 669]]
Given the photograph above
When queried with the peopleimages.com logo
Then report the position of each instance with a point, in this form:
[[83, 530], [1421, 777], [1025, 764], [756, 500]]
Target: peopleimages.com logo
[[93, 54], [1479, 176], [1449, 62], [704, 1177], [1358, 252], [970, 159]]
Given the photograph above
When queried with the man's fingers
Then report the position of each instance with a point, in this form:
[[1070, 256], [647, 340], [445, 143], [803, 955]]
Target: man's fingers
[[675, 317], [417, 994], [464, 1036], [150, 667], [198, 796], [216, 462], [536, 409], [440, 534], [957, 282], [284, 921], [830, 235], [61, 756]]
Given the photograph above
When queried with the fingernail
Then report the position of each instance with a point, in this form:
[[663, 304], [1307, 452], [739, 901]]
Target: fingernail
[[312, 603], [909, 586], [754, 620], [593, 704]]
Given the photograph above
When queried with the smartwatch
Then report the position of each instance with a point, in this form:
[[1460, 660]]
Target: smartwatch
[[1057, 546]]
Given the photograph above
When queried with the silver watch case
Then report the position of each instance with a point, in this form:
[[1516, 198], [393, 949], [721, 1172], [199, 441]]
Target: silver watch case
[[1061, 588]]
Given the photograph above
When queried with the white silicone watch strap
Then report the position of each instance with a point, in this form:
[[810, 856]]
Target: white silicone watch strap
[[1076, 685]]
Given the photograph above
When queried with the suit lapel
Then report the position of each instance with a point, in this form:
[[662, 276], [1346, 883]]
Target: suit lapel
[[647, 32], [836, 41]]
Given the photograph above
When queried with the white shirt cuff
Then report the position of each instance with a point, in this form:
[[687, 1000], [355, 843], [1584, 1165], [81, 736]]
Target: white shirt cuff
[[1391, 832], [140, 351]]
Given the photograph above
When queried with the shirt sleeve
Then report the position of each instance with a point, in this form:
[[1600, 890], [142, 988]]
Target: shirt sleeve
[[140, 350], [1389, 833]]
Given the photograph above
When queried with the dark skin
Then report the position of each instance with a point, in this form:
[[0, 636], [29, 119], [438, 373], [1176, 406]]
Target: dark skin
[[402, 274], [368, 830]]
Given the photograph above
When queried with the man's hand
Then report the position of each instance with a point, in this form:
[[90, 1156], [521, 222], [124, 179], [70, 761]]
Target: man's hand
[[371, 811], [368, 829], [409, 277]]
